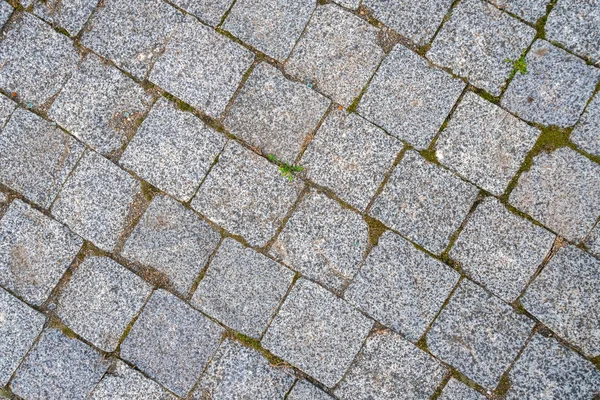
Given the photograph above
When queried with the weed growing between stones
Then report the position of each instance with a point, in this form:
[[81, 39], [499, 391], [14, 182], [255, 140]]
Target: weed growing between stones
[[287, 170], [520, 64]]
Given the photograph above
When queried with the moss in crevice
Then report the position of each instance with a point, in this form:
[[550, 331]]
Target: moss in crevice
[[376, 229]]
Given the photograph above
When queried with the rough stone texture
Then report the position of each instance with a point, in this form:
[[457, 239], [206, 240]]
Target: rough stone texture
[[35, 251], [586, 134], [173, 240], [529, 10], [337, 53], [270, 26], [555, 89], [237, 372], [565, 298], [501, 250], [351, 4], [401, 287], [100, 300], [173, 150], [455, 390], [424, 202], [478, 334], [147, 25], [485, 144], [593, 241], [68, 14], [547, 370], [477, 43], [323, 241], [242, 288], [317, 332], [58, 367], [562, 191], [5, 12], [388, 367], [350, 156], [171, 342], [7, 107], [422, 97], [100, 105], [206, 82], [246, 195], [209, 11], [275, 114], [306, 391], [19, 327]]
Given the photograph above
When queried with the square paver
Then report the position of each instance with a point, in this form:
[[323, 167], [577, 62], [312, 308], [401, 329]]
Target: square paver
[[562, 191], [478, 334], [401, 287], [246, 195], [424, 202], [477, 43], [96, 200], [456, 390], [242, 288], [555, 89], [323, 241], [100, 300], [173, 240], [409, 98], [337, 53], [209, 11], [68, 14], [173, 150], [7, 107], [58, 367], [270, 26], [275, 114], [501, 250], [565, 295], [586, 134], [306, 391], [36, 157], [101, 106], [147, 25], [36, 60], [35, 252], [19, 327], [530, 10], [350, 156], [317, 332], [388, 367], [171, 342], [206, 82], [485, 144], [238, 372]]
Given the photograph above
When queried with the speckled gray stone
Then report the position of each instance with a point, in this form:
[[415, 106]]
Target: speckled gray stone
[[19, 327], [68, 14], [351, 4], [96, 200], [477, 41], [58, 367], [238, 372], [100, 300], [242, 288], [323, 241], [456, 390], [564, 297], [7, 107], [35, 252], [350, 156], [593, 241], [246, 195], [209, 11], [401, 287], [206, 82], [100, 105], [171, 342], [501, 250], [547, 370], [306, 391], [317, 332], [478, 334], [173, 240], [529, 10], [275, 114], [337, 53], [484, 143], [147, 25], [586, 134], [36, 157], [5, 12], [389, 368], [417, 20], [422, 97], [270, 26], [37, 60], [424, 202], [562, 191], [173, 150], [555, 89]]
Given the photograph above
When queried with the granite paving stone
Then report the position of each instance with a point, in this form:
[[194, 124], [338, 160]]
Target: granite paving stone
[[530, 10], [7, 107], [351, 4], [6, 11], [593, 241], [68, 14], [586, 134], [209, 11], [305, 391], [456, 390]]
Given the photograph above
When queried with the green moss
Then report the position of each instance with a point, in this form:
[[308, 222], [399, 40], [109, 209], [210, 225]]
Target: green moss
[[519, 65], [503, 386], [376, 229]]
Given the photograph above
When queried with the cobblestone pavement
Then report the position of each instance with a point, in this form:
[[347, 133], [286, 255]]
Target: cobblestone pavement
[[300, 199]]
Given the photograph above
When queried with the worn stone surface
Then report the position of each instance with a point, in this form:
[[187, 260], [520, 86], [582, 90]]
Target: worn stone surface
[[530, 10], [5, 12], [305, 391], [6, 108], [68, 14], [593, 241], [209, 11], [455, 390], [351, 4], [586, 134]]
